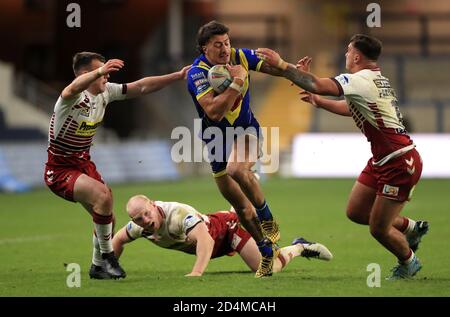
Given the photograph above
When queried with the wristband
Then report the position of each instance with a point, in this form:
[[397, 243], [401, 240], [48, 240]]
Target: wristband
[[235, 87], [99, 72], [282, 64]]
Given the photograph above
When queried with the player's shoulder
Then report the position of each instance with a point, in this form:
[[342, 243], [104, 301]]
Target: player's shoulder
[[114, 91], [110, 87], [366, 73], [65, 102], [237, 52], [197, 72], [176, 211], [355, 78], [197, 79], [175, 206]]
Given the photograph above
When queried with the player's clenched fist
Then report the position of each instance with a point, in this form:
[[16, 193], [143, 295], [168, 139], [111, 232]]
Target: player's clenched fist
[[237, 71]]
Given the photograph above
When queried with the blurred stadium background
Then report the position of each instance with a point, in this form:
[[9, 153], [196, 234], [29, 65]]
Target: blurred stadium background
[[159, 36]]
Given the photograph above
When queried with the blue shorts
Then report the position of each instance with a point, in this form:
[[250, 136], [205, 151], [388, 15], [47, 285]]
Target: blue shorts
[[220, 146]]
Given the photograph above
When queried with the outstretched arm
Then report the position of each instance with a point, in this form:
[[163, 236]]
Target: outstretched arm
[[205, 246], [305, 80], [147, 85], [339, 107], [271, 70], [83, 81], [119, 240]]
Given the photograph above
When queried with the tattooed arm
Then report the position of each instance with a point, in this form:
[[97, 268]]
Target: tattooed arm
[[305, 80], [271, 70]]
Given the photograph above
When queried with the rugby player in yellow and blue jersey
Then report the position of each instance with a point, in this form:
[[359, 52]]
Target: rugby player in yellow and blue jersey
[[232, 165]]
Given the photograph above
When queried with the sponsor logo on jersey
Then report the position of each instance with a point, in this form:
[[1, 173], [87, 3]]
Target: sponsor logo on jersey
[[382, 83], [202, 88], [190, 221], [85, 109], [342, 79], [198, 75], [200, 82], [87, 128], [411, 168], [50, 176], [235, 241], [85, 112], [390, 190]]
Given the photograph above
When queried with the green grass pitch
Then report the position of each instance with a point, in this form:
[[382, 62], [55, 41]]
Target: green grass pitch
[[39, 232]]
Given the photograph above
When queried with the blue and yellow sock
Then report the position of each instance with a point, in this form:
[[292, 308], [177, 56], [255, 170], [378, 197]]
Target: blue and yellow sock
[[265, 247], [263, 212]]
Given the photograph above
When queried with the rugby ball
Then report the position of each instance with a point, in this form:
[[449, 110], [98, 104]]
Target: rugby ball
[[219, 78]]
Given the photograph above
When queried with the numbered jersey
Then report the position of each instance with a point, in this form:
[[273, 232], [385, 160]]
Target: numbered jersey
[[179, 219], [373, 105], [75, 121]]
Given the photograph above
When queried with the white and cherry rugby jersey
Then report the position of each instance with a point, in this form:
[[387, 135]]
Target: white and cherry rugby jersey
[[75, 121], [373, 105], [179, 219]]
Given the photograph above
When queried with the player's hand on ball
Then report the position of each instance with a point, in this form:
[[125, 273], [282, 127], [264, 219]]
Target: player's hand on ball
[[271, 57], [237, 71], [112, 65]]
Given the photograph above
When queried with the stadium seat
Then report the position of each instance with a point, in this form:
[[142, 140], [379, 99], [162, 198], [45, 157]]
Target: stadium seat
[[8, 183], [19, 133]]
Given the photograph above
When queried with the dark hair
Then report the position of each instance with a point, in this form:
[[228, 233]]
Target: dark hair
[[368, 45], [84, 59], [209, 30]]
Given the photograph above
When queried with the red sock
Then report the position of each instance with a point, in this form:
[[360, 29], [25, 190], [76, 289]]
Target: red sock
[[404, 225]]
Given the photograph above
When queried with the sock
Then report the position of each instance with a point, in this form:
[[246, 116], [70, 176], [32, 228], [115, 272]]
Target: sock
[[113, 228], [408, 225], [409, 258], [103, 229], [286, 255], [96, 254], [265, 247], [263, 212]]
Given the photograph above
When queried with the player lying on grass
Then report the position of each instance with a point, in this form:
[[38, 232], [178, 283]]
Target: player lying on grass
[[180, 227]]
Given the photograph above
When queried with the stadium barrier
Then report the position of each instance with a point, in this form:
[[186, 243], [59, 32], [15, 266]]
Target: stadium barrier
[[132, 161], [346, 154]]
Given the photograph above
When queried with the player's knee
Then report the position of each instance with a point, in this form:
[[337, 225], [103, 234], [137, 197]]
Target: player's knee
[[103, 202], [244, 212], [235, 171], [356, 217], [248, 212], [378, 231]]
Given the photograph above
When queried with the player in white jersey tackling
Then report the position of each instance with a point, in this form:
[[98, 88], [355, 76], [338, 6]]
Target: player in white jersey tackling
[[388, 180], [180, 227], [69, 171]]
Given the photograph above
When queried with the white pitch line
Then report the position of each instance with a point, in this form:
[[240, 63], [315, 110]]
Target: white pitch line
[[28, 239]]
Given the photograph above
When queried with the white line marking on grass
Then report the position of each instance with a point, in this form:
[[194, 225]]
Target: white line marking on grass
[[28, 239]]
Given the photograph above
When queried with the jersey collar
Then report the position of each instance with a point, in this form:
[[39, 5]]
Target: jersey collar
[[205, 60]]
